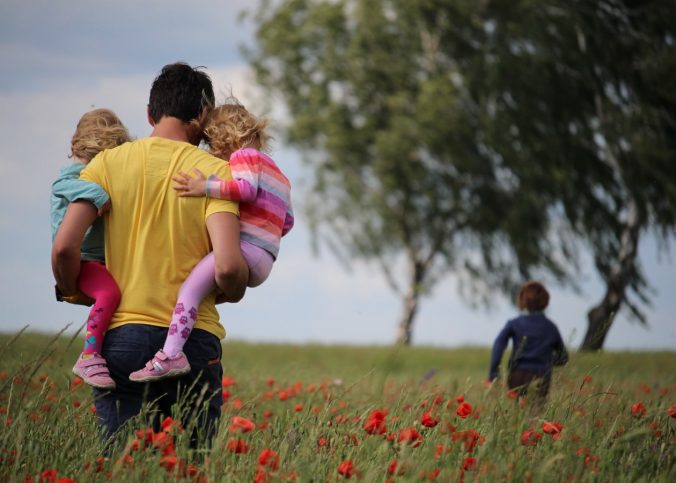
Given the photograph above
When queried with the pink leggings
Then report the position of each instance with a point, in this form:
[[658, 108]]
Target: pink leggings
[[200, 283], [97, 283]]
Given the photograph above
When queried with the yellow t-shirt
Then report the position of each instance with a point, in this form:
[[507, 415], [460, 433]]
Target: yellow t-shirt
[[153, 237]]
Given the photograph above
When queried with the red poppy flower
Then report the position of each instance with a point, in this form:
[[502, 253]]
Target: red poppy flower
[[428, 421], [410, 436], [227, 381], [237, 446], [553, 428], [395, 468], [241, 424], [464, 410], [469, 464], [375, 423], [671, 411], [530, 437], [638, 410], [469, 437], [346, 469], [48, 475], [460, 398], [298, 407], [268, 459]]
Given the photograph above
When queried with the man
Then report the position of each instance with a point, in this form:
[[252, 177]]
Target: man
[[153, 239]]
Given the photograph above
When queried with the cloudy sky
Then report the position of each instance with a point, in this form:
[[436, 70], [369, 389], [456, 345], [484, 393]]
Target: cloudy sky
[[60, 59]]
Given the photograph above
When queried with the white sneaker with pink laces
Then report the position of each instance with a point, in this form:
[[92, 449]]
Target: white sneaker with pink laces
[[162, 366]]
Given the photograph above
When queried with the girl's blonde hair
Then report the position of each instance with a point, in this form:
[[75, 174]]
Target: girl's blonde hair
[[97, 130], [230, 127]]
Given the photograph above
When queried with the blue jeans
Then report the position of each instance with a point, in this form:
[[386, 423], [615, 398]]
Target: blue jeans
[[128, 348]]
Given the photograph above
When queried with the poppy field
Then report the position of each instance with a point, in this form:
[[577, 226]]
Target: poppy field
[[316, 413]]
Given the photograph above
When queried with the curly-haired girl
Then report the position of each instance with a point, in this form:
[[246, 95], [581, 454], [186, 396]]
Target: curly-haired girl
[[263, 191], [97, 130]]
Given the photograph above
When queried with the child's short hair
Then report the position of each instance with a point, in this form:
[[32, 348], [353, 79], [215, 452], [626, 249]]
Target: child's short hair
[[97, 130], [230, 127], [532, 296]]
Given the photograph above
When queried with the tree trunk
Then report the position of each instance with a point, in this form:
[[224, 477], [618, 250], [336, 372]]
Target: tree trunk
[[405, 328], [600, 317]]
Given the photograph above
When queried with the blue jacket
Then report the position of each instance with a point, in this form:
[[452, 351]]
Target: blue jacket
[[68, 188], [536, 345]]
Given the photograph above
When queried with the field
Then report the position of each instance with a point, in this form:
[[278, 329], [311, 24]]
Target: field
[[315, 413]]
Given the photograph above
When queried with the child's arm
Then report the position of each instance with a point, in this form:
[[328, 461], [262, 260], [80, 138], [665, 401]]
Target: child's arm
[[245, 168], [73, 189], [499, 347]]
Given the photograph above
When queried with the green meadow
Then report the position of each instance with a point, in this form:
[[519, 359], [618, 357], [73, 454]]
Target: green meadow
[[329, 413]]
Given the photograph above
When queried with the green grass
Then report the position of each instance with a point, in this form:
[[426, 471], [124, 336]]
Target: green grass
[[48, 423]]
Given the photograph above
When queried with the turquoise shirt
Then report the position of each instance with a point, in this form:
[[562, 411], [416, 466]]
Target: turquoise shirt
[[68, 188]]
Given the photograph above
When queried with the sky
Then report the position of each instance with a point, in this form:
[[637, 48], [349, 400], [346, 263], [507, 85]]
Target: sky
[[61, 59]]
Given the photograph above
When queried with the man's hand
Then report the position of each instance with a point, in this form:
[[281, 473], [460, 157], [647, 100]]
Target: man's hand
[[78, 298], [189, 186], [231, 272]]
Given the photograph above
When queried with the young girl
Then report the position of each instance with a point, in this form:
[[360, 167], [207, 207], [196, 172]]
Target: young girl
[[97, 130], [536, 343], [265, 216]]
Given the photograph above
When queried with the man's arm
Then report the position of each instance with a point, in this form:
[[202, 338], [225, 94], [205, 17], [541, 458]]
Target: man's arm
[[231, 272], [66, 248]]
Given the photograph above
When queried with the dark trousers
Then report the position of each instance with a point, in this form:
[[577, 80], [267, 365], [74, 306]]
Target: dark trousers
[[198, 394], [520, 380]]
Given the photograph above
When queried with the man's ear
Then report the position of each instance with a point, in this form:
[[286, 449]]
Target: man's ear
[[150, 119]]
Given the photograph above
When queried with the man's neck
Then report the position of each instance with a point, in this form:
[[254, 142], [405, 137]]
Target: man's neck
[[171, 128]]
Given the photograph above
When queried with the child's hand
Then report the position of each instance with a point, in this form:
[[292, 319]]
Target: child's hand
[[189, 186], [105, 208]]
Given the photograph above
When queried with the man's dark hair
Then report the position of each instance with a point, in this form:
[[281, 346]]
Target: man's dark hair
[[180, 91]]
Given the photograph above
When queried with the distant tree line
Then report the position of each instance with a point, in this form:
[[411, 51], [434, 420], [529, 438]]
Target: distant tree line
[[495, 140]]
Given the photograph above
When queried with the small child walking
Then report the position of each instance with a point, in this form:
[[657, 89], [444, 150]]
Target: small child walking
[[233, 134], [537, 345], [96, 130]]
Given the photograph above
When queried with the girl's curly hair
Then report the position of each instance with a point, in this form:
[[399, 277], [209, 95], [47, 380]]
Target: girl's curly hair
[[97, 130], [533, 297], [230, 127]]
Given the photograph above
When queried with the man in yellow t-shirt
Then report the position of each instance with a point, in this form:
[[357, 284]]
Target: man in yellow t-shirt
[[153, 239]]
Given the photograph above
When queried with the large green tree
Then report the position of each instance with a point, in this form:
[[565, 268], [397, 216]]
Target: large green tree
[[477, 137]]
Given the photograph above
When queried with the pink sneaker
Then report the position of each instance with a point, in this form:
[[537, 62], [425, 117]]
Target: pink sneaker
[[162, 366], [94, 372]]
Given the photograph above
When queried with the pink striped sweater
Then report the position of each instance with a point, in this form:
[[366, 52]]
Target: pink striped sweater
[[264, 193]]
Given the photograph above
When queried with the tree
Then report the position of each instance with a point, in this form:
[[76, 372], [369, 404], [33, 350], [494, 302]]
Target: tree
[[473, 137]]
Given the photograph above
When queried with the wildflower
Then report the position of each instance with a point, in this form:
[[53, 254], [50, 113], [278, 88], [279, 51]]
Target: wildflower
[[242, 425], [428, 421], [169, 462], [638, 410], [671, 411], [346, 469], [460, 398], [298, 408], [237, 446], [48, 475], [375, 423], [553, 428], [410, 436], [530, 437], [268, 459], [464, 410], [469, 464], [395, 468], [470, 438], [322, 442], [227, 381]]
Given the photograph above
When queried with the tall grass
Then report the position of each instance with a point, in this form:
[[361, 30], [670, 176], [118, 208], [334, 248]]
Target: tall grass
[[310, 404]]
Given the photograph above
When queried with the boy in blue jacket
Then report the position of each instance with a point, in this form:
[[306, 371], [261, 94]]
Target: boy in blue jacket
[[536, 344]]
